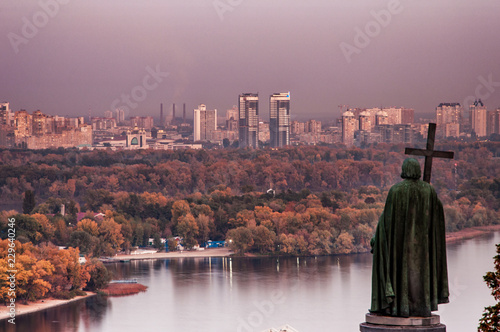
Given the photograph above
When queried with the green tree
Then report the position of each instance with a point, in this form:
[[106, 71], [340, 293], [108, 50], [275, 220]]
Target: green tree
[[29, 202], [157, 241], [84, 241], [28, 228], [491, 317], [99, 275]]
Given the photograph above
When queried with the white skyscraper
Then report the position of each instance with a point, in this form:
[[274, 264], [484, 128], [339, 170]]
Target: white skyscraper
[[478, 116], [204, 123]]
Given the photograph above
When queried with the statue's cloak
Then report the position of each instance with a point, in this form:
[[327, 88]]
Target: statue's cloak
[[409, 275]]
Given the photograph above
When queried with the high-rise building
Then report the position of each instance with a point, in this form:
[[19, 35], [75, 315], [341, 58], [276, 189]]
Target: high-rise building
[[447, 113], [23, 123], [365, 123], [232, 119], [279, 122], [313, 126], [478, 115], [393, 115], [264, 133], [205, 123], [407, 115], [120, 115], [349, 126], [248, 120], [42, 123], [297, 127], [144, 122], [108, 114], [103, 123], [493, 122], [6, 116], [381, 118]]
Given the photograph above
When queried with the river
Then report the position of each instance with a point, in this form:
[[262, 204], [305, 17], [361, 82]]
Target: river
[[252, 294]]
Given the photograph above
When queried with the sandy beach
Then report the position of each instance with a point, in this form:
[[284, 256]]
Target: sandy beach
[[23, 309], [217, 252]]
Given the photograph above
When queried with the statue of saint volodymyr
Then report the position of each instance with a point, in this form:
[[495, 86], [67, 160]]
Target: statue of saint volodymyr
[[409, 276]]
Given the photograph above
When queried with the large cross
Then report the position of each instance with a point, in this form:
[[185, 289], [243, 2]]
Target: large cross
[[429, 153]]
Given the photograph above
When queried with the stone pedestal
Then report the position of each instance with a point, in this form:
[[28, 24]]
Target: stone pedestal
[[379, 323]]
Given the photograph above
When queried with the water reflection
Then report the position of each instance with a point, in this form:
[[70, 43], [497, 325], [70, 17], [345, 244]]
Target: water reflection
[[252, 294], [67, 318]]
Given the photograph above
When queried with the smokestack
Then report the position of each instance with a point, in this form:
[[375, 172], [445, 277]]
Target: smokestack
[[161, 114], [173, 114], [184, 113]]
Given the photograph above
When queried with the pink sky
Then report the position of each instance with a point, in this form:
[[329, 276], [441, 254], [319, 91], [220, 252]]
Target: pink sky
[[91, 52]]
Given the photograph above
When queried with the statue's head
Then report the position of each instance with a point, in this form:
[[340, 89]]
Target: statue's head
[[411, 169]]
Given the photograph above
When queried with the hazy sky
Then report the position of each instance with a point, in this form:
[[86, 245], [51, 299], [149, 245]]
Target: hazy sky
[[87, 53]]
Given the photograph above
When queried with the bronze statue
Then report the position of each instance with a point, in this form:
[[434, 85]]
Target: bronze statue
[[409, 276]]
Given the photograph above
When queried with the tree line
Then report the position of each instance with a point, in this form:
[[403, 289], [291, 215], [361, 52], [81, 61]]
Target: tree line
[[44, 270], [322, 200]]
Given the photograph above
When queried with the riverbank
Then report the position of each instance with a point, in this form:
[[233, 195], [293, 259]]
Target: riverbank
[[23, 309], [470, 233], [216, 252], [40, 305], [464, 234]]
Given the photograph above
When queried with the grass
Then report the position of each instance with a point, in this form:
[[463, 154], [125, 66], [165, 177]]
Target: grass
[[123, 289]]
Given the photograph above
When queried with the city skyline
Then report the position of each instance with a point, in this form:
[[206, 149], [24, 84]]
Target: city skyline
[[66, 57]]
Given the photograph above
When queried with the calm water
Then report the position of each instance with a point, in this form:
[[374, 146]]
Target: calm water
[[252, 294]]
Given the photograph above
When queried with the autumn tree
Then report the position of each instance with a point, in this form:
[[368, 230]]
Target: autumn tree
[[68, 272], [187, 228], [110, 237], [180, 209], [204, 226], [263, 239], [490, 321], [31, 276], [94, 199], [344, 243], [47, 229], [88, 226]]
